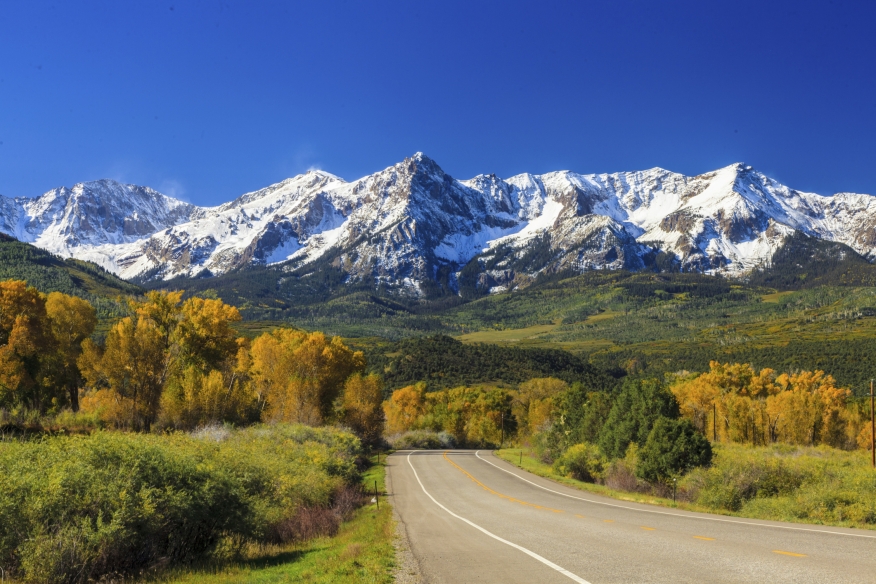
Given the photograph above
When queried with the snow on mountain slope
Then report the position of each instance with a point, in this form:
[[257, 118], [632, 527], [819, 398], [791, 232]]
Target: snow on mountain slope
[[412, 223], [104, 212]]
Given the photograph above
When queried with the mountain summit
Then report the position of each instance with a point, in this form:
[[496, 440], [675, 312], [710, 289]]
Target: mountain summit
[[412, 224]]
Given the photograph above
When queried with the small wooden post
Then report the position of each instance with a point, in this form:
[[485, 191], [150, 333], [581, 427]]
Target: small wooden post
[[376, 496], [521, 457]]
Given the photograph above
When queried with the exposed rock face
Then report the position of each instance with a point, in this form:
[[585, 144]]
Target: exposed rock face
[[412, 223]]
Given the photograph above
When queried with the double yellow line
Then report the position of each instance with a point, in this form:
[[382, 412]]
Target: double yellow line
[[497, 493], [512, 499]]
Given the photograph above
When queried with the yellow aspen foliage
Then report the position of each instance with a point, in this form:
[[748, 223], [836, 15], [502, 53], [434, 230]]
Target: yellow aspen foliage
[[760, 407], [361, 407], [110, 407], [204, 332], [533, 405], [297, 376], [71, 321], [12, 375], [28, 347], [864, 437], [809, 409], [198, 399], [163, 309], [133, 364], [404, 408]]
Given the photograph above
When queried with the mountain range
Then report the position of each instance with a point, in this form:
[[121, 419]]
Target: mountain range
[[412, 224]]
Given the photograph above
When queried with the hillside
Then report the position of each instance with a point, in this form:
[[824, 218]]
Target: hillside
[[49, 273], [808, 262], [443, 362]]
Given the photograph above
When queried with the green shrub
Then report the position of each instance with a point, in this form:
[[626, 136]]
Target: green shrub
[[673, 447], [812, 484], [74, 509], [583, 462]]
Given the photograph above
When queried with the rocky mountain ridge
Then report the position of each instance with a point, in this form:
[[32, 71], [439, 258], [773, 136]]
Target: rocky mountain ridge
[[412, 224]]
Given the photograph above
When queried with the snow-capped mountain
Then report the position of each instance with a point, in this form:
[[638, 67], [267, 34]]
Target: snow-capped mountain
[[412, 223]]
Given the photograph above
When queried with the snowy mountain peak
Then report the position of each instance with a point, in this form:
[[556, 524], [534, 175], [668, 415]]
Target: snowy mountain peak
[[412, 223]]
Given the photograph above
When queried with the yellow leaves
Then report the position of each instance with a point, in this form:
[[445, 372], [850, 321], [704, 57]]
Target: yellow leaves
[[197, 399], [404, 408], [361, 406], [297, 375], [204, 331], [133, 364], [533, 405], [760, 407]]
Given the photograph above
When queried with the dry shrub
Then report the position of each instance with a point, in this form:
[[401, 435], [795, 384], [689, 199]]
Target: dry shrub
[[314, 521], [307, 523], [354, 550]]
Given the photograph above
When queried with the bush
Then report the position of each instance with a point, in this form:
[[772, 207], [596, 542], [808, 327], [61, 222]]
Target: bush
[[583, 462], [742, 474], [82, 508], [635, 411], [422, 440], [621, 473], [673, 447]]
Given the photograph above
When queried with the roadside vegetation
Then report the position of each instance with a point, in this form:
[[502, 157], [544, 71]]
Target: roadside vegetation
[[820, 485], [167, 439], [113, 504], [171, 440], [361, 551], [731, 440]]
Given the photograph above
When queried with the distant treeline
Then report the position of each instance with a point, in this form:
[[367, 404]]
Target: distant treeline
[[444, 362]]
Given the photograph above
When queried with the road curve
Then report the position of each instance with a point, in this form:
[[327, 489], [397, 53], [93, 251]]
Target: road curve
[[472, 517]]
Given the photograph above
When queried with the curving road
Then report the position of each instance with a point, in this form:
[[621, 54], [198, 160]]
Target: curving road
[[472, 517]]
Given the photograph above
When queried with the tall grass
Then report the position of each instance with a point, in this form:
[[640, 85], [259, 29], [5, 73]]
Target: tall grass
[[81, 508], [808, 484]]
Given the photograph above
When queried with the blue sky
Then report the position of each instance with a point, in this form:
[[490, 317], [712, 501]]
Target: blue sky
[[207, 100]]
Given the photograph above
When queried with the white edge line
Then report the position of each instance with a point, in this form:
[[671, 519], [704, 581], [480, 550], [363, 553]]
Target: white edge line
[[544, 561], [478, 454]]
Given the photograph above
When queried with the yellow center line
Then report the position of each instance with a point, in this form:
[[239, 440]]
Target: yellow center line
[[704, 538], [646, 528], [608, 520], [789, 554], [580, 516], [497, 493]]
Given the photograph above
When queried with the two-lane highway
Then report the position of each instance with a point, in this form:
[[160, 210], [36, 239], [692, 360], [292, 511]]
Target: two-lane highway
[[471, 517]]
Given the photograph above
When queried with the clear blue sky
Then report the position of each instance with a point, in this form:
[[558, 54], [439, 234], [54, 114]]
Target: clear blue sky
[[211, 99]]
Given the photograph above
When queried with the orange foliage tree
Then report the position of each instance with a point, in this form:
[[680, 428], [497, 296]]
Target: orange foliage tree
[[738, 404], [361, 407], [297, 376]]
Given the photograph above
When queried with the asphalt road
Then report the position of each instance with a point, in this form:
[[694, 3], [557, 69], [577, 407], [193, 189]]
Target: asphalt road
[[471, 517]]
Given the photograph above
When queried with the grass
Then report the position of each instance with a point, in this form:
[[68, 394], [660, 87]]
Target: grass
[[362, 551], [814, 485], [507, 335], [531, 463]]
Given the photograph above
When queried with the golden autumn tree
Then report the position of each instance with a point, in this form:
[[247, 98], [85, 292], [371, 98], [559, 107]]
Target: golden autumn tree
[[71, 321], [204, 333], [810, 409], [297, 376], [404, 408], [361, 406], [761, 407], [26, 347], [134, 364], [533, 404], [205, 384]]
